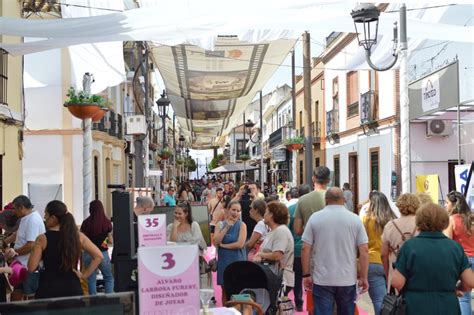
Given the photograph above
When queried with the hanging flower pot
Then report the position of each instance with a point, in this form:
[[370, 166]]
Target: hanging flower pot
[[83, 106], [244, 157], [164, 154], [83, 111], [100, 114], [294, 146], [295, 143]]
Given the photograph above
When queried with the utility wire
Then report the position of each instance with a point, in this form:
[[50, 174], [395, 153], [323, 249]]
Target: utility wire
[[86, 7], [418, 9]]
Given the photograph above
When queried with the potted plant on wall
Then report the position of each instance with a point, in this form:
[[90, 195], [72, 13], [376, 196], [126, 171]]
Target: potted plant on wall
[[164, 153], [295, 143], [83, 106], [244, 157]]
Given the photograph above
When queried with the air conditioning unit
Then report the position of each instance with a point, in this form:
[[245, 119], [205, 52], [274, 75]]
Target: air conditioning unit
[[136, 125], [439, 127]]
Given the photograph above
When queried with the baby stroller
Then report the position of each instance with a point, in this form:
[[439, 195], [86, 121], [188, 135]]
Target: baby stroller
[[249, 277]]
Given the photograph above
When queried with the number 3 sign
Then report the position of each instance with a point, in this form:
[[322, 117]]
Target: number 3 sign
[[168, 278], [151, 230]]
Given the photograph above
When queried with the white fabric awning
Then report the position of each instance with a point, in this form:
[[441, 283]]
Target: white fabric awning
[[199, 22], [210, 89], [210, 82]]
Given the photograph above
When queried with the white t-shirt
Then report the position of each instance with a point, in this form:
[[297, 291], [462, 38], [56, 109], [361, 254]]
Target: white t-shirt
[[31, 226], [261, 229]]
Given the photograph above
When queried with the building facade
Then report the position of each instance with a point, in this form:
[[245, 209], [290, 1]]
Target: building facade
[[362, 128], [11, 114]]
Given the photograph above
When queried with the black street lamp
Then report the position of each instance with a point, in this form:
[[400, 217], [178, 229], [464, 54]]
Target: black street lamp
[[366, 16], [250, 124], [163, 102]]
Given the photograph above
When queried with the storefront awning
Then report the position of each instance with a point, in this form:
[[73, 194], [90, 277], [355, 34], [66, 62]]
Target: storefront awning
[[232, 168]]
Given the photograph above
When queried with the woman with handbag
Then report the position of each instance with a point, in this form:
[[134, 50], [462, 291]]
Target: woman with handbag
[[278, 246], [429, 266], [374, 220], [461, 229]]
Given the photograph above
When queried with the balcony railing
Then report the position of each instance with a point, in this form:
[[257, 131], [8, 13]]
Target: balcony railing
[[3, 76], [111, 123], [332, 121], [276, 138], [316, 128]]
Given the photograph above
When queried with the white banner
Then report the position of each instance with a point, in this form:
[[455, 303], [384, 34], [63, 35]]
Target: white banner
[[461, 173]]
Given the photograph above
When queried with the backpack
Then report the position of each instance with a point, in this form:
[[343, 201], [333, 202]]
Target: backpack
[[405, 237]]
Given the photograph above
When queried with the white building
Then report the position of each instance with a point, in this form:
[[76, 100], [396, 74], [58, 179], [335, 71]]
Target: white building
[[361, 146]]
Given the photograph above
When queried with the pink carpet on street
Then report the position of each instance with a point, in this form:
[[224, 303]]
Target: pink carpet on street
[[211, 253]]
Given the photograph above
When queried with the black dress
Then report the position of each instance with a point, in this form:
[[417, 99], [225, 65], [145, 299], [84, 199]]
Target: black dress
[[55, 282]]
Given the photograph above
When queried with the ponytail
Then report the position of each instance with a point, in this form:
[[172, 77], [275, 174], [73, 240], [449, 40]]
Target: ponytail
[[69, 243]]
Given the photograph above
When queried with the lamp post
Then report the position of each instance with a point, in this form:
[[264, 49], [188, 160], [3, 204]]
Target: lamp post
[[366, 16], [249, 124], [187, 157], [163, 102], [181, 146]]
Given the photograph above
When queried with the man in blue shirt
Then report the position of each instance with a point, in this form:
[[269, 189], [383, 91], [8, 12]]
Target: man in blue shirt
[[169, 198]]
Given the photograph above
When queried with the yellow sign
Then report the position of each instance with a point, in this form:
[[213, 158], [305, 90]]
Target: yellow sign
[[428, 184]]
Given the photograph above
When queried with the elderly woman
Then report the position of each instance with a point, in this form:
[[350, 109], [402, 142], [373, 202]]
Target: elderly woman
[[461, 229], [429, 265], [229, 238], [184, 229], [278, 246], [397, 231]]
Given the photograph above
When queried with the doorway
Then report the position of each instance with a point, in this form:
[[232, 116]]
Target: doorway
[[354, 178]]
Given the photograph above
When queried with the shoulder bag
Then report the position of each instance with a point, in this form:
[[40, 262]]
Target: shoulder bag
[[392, 303]]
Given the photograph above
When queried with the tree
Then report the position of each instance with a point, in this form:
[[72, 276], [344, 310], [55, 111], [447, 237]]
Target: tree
[[215, 161], [190, 164]]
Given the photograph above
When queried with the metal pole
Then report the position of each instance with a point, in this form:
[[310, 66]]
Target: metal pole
[[404, 105], [262, 188], [147, 112], [293, 90], [459, 134], [245, 148], [87, 166], [308, 153], [174, 145]]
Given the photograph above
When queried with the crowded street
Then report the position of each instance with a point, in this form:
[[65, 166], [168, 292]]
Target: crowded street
[[256, 158]]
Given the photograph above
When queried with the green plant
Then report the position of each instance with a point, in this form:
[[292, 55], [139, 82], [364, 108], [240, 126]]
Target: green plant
[[179, 161], [190, 164], [164, 152], [215, 161], [81, 98], [244, 157], [295, 140]]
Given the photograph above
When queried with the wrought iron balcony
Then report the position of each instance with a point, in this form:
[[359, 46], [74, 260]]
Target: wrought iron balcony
[[316, 129], [276, 138], [111, 123]]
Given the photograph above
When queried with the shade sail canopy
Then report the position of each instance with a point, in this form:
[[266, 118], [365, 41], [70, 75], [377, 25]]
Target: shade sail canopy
[[232, 168], [209, 89], [211, 79]]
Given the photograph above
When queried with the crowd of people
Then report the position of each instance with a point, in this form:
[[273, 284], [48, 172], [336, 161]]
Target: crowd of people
[[336, 250], [315, 238]]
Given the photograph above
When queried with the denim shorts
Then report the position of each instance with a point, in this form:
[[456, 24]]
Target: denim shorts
[[30, 285]]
